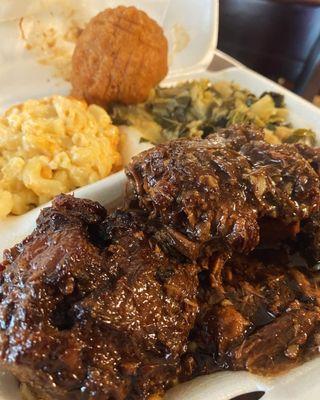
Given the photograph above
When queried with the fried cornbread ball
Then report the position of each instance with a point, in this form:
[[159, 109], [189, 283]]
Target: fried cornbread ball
[[119, 57]]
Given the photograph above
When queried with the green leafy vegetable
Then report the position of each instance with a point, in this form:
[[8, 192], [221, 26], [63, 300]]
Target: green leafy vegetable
[[198, 108]]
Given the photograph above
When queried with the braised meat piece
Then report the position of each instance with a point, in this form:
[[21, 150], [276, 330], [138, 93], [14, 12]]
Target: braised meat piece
[[311, 154], [309, 238], [236, 136], [209, 194], [266, 318], [283, 344], [291, 189], [40, 280], [248, 141], [198, 191], [92, 308]]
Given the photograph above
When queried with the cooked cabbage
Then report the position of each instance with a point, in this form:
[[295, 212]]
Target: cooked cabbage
[[198, 108]]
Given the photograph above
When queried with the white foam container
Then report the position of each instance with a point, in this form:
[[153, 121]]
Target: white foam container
[[21, 77]]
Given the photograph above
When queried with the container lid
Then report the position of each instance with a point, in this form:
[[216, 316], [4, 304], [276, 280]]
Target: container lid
[[191, 28], [192, 31]]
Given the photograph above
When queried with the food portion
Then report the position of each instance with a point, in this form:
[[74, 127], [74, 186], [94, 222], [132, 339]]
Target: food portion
[[52, 146], [202, 271], [209, 194], [199, 107], [99, 313], [119, 57], [264, 317]]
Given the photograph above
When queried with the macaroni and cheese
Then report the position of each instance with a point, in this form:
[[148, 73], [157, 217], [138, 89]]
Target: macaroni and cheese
[[50, 146]]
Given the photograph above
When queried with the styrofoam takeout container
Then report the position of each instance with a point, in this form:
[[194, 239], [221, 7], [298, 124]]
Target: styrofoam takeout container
[[21, 78]]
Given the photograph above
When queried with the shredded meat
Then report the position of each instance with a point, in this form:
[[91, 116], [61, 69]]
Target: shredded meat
[[85, 316], [265, 320], [209, 194], [208, 268], [311, 154], [309, 238], [236, 136]]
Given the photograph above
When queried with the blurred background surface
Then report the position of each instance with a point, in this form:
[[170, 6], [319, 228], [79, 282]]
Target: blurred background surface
[[277, 38]]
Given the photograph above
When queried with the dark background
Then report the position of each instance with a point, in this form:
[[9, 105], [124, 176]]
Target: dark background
[[278, 38]]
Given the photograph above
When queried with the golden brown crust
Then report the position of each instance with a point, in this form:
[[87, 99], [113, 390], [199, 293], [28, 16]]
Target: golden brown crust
[[119, 57]]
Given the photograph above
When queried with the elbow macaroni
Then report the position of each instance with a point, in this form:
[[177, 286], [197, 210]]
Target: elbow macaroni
[[51, 146]]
